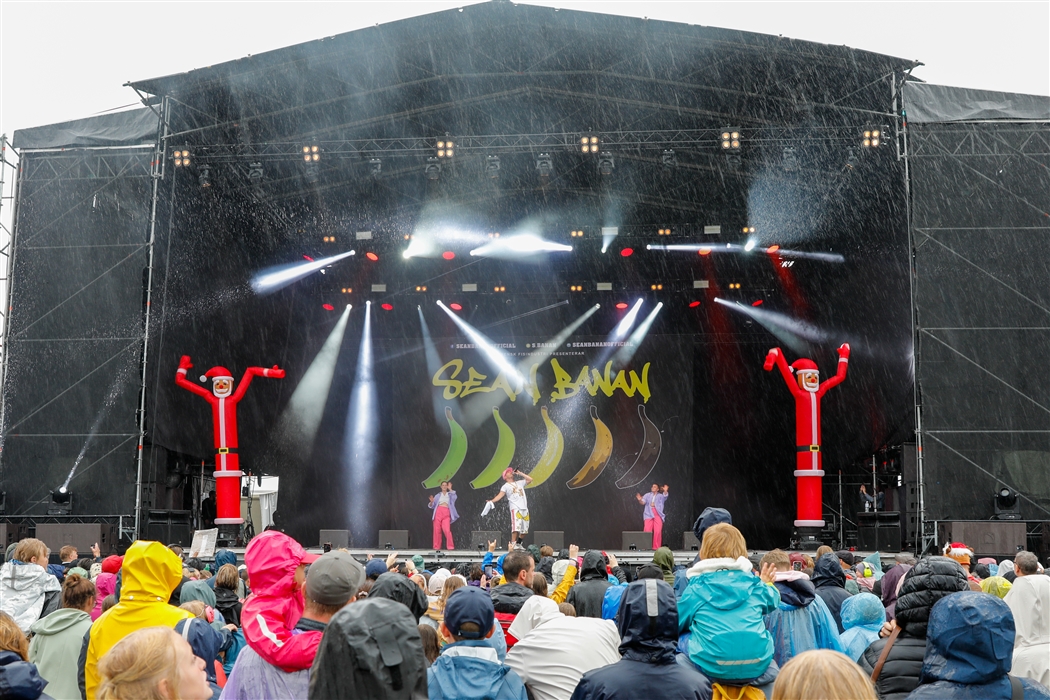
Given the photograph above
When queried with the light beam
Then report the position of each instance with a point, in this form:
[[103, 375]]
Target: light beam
[[359, 451], [278, 277]]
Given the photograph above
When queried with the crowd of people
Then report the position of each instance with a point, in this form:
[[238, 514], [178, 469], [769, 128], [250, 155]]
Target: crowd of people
[[529, 624]]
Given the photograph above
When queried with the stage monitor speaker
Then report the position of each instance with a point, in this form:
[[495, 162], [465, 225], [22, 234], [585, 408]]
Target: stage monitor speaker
[[80, 535], [481, 538], [337, 538], [170, 527], [987, 538], [395, 539], [879, 531], [554, 538], [637, 540], [689, 541], [11, 533]]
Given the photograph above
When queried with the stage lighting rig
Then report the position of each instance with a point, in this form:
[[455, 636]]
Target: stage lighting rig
[[576, 288], [499, 289], [421, 288], [544, 165], [445, 149], [61, 501], [375, 167], [734, 285], [348, 290], [589, 143], [656, 287], [204, 176], [663, 232], [731, 139], [873, 136], [577, 233], [748, 229], [1007, 504], [432, 169], [311, 153], [606, 163], [181, 157], [492, 167], [668, 160]]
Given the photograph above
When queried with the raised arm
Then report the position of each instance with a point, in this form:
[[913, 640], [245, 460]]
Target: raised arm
[[640, 499], [180, 378], [526, 477], [274, 372], [840, 375], [776, 357]]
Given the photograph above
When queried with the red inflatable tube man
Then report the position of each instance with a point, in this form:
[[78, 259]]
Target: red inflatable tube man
[[224, 402], [805, 386]]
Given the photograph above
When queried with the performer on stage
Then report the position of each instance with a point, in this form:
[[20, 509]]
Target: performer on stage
[[514, 490], [653, 512], [444, 507], [224, 400]]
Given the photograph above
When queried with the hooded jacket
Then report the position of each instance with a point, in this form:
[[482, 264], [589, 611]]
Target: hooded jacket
[[722, 608], [648, 625], [802, 621], [371, 649], [149, 574], [546, 567], [19, 679], [890, 584], [509, 597], [398, 588], [664, 558], [471, 670], [105, 584], [587, 595], [24, 589], [863, 617], [226, 602], [55, 648], [929, 580], [970, 643], [276, 604], [829, 580], [1029, 599], [222, 556], [206, 643]]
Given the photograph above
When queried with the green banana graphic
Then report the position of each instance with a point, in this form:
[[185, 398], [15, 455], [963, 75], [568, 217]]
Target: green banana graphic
[[501, 458], [457, 452], [648, 454], [600, 454], [551, 456]]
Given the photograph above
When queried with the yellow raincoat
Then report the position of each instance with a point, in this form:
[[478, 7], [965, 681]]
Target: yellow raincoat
[[150, 573]]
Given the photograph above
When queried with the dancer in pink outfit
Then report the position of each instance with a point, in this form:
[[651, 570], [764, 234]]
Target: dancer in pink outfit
[[653, 513]]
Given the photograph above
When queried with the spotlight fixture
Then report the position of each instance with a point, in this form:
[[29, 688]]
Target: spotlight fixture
[[455, 307], [621, 305], [606, 163], [327, 307], [204, 176], [576, 234], [749, 229], [872, 137], [311, 154], [693, 304], [544, 165], [499, 289], [386, 307], [421, 288], [656, 287], [1007, 505], [445, 149], [589, 143], [371, 256], [663, 232], [347, 290], [61, 501], [432, 169], [731, 139], [375, 167], [668, 160], [756, 302], [329, 239], [494, 234], [789, 160], [627, 252], [576, 288], [773, 248], [492, 166], [182, 158], [734, 285]]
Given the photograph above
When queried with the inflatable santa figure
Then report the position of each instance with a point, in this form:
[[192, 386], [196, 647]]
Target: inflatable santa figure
[[224, 400], [805, 386]]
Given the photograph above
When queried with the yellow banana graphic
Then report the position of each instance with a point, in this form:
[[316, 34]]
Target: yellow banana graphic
[[551, 456], [600, 454], [501, 458]]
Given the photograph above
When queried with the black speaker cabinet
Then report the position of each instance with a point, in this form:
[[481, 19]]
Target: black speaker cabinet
[[553, 538], [483, 537], [880, 531], [339, 539], [689, 541], [11, 533], [170, 527], [637, 540], [80, 535], [396, 539]]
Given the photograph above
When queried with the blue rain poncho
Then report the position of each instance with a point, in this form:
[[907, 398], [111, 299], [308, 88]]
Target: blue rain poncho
[[862, 618], [802, 621]]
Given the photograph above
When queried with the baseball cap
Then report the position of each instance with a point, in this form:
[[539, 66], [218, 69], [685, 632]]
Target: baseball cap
[[334, 578], [846, 556], [469, 604], [418, 562], [375, 568]]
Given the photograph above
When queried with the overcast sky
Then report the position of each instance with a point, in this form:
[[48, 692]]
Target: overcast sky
[[66, 60]]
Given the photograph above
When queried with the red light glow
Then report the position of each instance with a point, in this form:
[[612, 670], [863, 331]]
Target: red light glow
[[694, 304], [772, 249], [757, 302], [307, 257], [327, 307], [455, 307], [448, 255], [621, 305], [704, 251], [627, 252], [388, 307], [371, 256]]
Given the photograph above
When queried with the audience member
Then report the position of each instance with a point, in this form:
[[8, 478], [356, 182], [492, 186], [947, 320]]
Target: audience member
[[1029, 599], [664, 558], [546, 565], [802, 622], [891, 583], [553, 651], [27, 590], [105, 584], [206, 643], [431, 647], [153, 663], [1006, 570], [830, 583], [539, 584], [567, 609], [962, 554], [1026, 564], [222, 558], [436, 611], [468, 667], [722, 609], [226, 600], [648, 626], [823, 674], [19, 679], [863, 618], [149, 572], [398, 588], [929, 580], [996, 585], [960, 663], [508, 598], [587, 595], [57, 638]]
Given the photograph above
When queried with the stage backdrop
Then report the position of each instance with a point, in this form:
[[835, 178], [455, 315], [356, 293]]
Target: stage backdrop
[[592, 435]]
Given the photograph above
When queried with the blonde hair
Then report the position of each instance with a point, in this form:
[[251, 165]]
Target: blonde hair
[[197, 607], [28, 548], [12, 638], [776, 557], [452, 583], [822, 550], [723, 540], [824, 674], [227, 577], [134, 667]]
